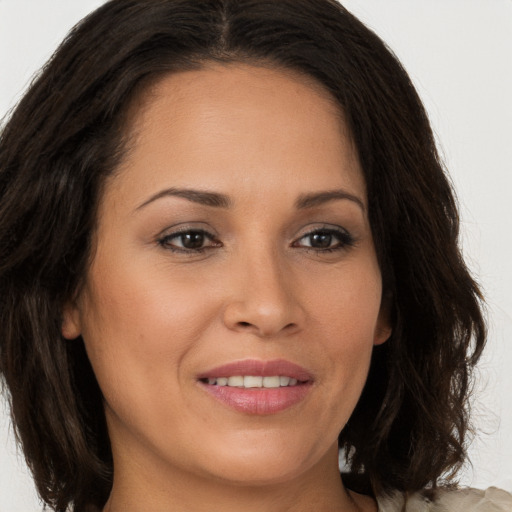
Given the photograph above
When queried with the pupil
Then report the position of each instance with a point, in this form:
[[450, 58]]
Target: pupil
[[192, 240], [321, 240]]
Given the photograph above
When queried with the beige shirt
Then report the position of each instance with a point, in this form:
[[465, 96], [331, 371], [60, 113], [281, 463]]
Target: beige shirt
[[448, 500]]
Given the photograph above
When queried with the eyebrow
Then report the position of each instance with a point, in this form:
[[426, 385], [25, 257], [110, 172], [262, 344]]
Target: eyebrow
[[218, 200], [319, 198], [213, 199]]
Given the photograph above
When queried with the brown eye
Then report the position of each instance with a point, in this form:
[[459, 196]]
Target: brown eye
[[192, 240], [326, 240], [320, 240]]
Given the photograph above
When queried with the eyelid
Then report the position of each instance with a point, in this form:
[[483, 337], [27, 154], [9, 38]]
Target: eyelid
[[346, 239], [185, 227], [175, 232]]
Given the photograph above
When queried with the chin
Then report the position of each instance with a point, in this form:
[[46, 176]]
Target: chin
[[256, 474], [257, 467]]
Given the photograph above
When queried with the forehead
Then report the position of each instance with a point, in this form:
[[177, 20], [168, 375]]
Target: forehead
[[249, 124], [244, 81]]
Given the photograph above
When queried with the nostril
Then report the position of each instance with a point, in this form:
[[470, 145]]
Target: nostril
[[244, 324]]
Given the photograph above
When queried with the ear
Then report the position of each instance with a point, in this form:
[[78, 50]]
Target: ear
[[71, 327], [383, 328]]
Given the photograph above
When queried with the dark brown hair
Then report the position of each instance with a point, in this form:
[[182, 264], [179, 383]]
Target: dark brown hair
[[66, 135]]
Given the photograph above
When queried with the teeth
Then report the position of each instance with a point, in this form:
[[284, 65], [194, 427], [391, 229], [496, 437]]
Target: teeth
[[251, 381], [236, 381], [271, 382]]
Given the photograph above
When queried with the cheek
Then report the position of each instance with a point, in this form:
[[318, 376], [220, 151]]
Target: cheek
[[344, 320], [138, 325], [137, 301], [347, 303]]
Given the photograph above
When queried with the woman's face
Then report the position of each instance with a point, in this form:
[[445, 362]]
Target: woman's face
[[234, 233]]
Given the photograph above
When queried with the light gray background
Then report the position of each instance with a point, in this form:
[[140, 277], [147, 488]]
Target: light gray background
[[459, 54]]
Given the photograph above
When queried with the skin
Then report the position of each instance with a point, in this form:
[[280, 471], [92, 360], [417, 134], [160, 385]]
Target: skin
[[152, 318]]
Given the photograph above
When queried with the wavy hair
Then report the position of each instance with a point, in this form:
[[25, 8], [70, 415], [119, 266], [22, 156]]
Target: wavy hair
[[67, 135]]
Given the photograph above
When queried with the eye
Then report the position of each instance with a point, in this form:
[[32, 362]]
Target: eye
[[189, 241], [326, 240]]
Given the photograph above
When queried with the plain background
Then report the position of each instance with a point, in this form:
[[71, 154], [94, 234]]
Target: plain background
[[459, 54]]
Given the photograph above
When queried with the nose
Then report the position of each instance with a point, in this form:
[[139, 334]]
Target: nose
[[263, 299]]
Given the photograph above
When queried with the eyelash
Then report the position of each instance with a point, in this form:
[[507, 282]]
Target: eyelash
[[345, 240], [165, 241]]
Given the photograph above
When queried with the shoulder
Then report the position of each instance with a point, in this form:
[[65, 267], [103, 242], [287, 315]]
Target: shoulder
[[448, 500]]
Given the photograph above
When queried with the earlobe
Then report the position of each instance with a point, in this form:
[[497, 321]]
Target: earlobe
[[383, 328], [382, 333], [70, 328]]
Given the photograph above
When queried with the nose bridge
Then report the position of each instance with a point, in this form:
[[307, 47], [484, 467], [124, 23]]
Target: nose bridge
[[263, 301], [268, 275]]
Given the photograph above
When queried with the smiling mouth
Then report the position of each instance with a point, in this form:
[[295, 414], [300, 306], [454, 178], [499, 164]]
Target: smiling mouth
[[258, 387], [253, 381]]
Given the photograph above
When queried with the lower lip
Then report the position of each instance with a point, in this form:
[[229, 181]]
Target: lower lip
[[259, 400]]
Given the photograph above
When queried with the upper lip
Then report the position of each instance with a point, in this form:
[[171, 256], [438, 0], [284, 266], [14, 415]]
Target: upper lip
[[258, 368]]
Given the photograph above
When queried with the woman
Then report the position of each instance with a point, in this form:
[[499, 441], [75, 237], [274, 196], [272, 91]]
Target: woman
[[229, 248]]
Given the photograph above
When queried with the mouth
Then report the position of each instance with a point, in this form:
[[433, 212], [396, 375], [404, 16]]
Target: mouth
[[257, 387], [253, 381]]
